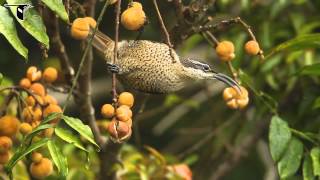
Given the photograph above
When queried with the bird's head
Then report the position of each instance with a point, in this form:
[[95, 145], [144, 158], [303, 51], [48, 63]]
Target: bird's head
[[199, 70]]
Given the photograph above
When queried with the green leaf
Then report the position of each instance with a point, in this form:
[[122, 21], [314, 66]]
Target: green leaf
[[307, 169], [313, 69], [58, 158], [22, 151], [32, 23], [290, 162], [279, 137], [36, 131], [298, 43], [51, 117], [8, 29], [315, 156], [1, 77], [81, 128], [57, 7], [69, 137]]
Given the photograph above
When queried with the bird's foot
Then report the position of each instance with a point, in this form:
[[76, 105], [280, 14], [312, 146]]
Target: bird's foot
[[113, 68]]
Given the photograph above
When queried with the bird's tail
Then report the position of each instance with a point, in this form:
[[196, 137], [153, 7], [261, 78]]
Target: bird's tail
[[103, 44]]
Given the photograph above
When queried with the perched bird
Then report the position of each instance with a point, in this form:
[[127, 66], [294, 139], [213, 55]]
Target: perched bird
[[149, 67]]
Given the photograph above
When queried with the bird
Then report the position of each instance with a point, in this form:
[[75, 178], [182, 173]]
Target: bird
[[153, 67]]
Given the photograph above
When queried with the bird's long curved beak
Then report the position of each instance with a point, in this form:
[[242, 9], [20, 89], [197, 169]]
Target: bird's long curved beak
[[227, 80]]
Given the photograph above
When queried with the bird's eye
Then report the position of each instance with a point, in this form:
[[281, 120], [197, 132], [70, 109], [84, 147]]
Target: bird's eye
[[206, 68]]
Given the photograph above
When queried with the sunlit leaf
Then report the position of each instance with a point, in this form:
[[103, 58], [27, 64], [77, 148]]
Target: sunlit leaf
[[298, 43], [315, 156], [57, 7], [290, 162], [279, 137], [8, 29], [69, 137], [51, 117], [22, 151], [307, 169], [313, 69], [82, 129], [58, 158], [32, 22]]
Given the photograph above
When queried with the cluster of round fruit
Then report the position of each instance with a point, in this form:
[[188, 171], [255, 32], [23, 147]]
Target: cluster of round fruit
[[225, 49], [132, 18], [40, 167], [38, 104], [120, 126]]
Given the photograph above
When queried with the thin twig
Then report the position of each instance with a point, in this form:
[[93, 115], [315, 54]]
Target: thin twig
[[115, 50], [165, 31], [74, 82]]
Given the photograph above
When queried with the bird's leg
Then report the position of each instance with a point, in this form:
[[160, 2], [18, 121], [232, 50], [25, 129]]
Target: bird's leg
[[113, 68], [141, 30]]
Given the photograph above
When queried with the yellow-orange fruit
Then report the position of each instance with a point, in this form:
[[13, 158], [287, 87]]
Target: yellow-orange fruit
[[33, 74], [38, 89], [129, 123], [48, 99], [182, 170], [126, 98], [252, 47], [30, 101], [35, 124], [119, 130], [4, 157], [31, 114], [5, 144], [25, 83], [80, 29], [52, 108], [9, 125], [225, 50], [50, 74], [133, 18], [36, 157], [25, 128], [136, 5], [234, 99], [48, 132], [41, 169], [123, 113], [107, 111], [92, 22]]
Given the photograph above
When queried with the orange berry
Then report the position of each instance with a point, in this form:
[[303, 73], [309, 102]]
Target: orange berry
[[126, 98], [50, 75], [234, 99], [35, 124], [36, 157], [129, 123], [52, 108], [92, 22], [38, 89], [41, 169], [5, 144], [9, 125], [25, 83], [123, 113], [182, 170], [80, 29], [225, 50], [33, 74], [30, 101], [252, 47], [4, 157], [107, 111], [48, 99], [25, 128], [133, 18], [136, 5], [48, 132], [119, 130]]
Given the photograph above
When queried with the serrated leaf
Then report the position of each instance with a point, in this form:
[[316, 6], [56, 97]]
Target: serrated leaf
[[315, 156], [59, 160], [69, 137], [279, 137], [307, 169], [82, 129], [22, 151], [57, 7], [290, 162], [299, 43], [32, 22], [8, 29]]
